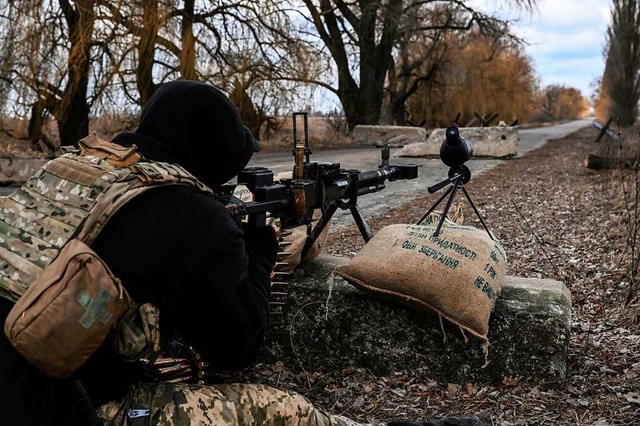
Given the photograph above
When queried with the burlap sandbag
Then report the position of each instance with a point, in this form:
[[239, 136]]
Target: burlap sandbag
[[457, 274]]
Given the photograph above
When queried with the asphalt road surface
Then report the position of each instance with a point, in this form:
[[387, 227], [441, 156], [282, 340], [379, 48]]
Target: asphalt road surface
[[430, 171], [396, 193]]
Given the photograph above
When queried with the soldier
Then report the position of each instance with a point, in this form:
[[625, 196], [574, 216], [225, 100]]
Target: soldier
[[174, 248]]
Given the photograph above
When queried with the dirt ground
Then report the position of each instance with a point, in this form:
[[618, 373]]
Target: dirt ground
[[556, 219]]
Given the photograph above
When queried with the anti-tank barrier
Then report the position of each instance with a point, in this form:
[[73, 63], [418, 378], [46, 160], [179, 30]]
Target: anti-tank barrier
[[493, 142]]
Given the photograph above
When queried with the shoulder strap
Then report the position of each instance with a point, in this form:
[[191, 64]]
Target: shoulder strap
[[117, 155], [72, 196], [148, 175]]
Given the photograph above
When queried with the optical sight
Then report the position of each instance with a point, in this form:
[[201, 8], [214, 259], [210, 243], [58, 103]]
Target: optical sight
[[455, 150]]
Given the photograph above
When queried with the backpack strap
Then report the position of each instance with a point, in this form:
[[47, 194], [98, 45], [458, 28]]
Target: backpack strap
[[117, 155], [72, 196], [148, 175]]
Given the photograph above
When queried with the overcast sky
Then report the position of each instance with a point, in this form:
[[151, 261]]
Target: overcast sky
[[565, 39]]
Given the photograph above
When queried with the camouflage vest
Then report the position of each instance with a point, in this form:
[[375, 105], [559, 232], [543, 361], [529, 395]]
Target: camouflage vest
[[72, 196]]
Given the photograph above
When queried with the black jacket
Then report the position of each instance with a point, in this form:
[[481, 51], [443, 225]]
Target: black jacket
[[172, 246], [180, 250]]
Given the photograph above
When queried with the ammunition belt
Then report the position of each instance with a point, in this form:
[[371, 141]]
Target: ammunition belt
[[179, 363], [280, 276]]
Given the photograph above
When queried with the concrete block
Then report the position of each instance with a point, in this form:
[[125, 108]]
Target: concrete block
[[395, 136], [18, 170], [330, 325], [495, 142]]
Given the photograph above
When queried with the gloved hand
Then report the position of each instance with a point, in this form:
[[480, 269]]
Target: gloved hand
[[262, 241]]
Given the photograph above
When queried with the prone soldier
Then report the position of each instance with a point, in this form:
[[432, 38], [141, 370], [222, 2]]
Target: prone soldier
[[144, 205]]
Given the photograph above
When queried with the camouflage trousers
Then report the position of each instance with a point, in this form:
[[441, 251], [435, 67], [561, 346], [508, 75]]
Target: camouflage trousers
[[227, 404]]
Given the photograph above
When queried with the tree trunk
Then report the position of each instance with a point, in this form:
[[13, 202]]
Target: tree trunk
[[73, 111], [252, 117], [35, 134], [376, 31], [146, 51], [75, 124], [597, 162], [188, 52], [398, 112], [36, 121], [349, 101]]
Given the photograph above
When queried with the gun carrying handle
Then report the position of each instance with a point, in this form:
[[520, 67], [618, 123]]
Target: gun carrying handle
[[299, 197]]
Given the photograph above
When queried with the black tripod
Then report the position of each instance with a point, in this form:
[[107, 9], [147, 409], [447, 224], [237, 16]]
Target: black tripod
[[458, 177]]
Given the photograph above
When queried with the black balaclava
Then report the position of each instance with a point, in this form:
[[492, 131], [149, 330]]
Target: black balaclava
[[196, 126]]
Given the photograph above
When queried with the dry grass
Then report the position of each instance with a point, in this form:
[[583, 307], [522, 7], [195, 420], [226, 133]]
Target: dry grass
[[324, 133], [556, 219]]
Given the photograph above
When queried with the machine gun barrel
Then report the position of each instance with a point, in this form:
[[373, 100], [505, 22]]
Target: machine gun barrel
[[342, 187], [374, 180]]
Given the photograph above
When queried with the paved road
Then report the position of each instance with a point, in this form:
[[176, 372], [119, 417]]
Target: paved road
[[430, 171]]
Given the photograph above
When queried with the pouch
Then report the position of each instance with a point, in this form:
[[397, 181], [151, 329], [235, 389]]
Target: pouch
[[137, 336], [67, 312]]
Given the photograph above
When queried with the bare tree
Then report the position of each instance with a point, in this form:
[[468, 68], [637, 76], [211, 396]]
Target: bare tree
[[361, 36], [264, 68], [146, 50], [7, 51], [53, 63], [476, 74], [64, 58], [243, 46], [72, 109], [418, 61], [562, 103], [622, 69], [368, 28]]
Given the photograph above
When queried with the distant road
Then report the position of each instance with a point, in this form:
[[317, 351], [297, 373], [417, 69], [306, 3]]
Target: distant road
[[536, 137], [431, 170]]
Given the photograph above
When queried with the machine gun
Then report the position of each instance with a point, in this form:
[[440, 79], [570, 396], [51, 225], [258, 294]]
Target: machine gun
[[314, 185]]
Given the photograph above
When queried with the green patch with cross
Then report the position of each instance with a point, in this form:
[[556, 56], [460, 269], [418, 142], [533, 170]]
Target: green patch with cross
[[95, 308]]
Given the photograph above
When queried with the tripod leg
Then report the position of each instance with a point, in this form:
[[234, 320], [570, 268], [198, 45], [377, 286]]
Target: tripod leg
[[433, 207], [365, 231], [477, 212], [447, 207]]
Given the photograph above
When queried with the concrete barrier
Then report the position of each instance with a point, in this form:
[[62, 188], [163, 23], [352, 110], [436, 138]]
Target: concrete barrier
[[330, 325], [495, 142], [14, 171], [395, 136]]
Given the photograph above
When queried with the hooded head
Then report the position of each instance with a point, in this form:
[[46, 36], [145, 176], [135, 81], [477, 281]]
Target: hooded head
[[196, 126]]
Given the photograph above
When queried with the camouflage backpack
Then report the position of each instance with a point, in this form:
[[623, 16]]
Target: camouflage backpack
[[66, 298]]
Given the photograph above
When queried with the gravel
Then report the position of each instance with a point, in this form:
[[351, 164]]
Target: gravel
[[556, 219]]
